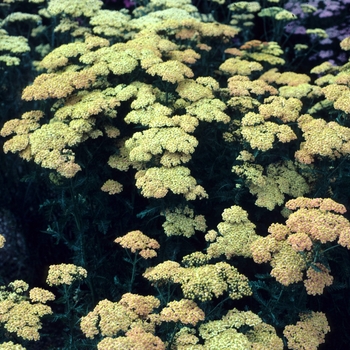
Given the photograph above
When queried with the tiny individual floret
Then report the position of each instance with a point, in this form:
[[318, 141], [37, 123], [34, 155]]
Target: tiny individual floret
[[65, 274]]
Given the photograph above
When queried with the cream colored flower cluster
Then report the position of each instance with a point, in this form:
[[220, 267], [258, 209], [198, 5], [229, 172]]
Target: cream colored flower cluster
[[281, 179], [202, 282], [139, 243], [235, 235], [183, 222], [65, 274], [22, 315]]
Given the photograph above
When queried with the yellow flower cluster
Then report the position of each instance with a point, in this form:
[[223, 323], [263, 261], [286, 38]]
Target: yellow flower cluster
[[202, 282], [184, 311], [9, 345], [2, 241], [237, 66], [110, 23], [228, 333], [37, 295], [11, 46], [156, 183], [242, 14], [109, 318], [65, 274], [20, 316], [322, 139], [183, 222], [240, 85], [154, 141], [261, 134], [268, 52], [112, 187], [195, 259], [308, 333], [287, 264], [185, 338], [281, 179], [139, 243], [74, 8], [235, 235]]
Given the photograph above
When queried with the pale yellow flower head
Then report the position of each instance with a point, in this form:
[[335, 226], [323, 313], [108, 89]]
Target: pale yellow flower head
[[65, 274]]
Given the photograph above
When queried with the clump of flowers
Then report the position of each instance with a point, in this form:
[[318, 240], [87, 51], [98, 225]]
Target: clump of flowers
[[235, 235], [239, 330], [21, 314], [65, 274], [132, 315], [308, 333], [139, 243], [183, 222], [281, 179], [295, 247], [201, 282], [184, 311], [322, 139]]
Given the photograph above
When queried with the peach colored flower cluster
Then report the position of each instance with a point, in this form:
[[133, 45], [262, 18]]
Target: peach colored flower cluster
[[139, 243], [318, 278], [289, 247], [184, 311], [135, 338], [315, 218], [287, 264], [308, 333]]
